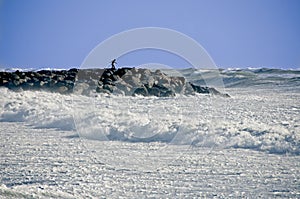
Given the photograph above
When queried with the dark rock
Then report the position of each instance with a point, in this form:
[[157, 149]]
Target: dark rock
[[108, 81], [102, 90], [207, 90], [115, 77], [155, 90], [3, 82], [200, 89], [124, 81], [73, 70], [122, 71], [42, 83], [168, 93], [108, 87], [147, 83], [141, 91], [15, 76]]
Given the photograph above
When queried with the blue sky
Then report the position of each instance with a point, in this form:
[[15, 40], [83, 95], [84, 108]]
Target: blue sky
[[236, 33]]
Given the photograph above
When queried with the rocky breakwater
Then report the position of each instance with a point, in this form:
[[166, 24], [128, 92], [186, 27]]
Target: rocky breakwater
[[138, 81], [122, 81], [61, 81]]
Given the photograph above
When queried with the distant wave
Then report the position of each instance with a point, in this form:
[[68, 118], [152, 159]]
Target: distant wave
[[249, 77]]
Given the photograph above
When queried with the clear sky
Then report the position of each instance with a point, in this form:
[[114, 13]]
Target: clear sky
[[236, 33]]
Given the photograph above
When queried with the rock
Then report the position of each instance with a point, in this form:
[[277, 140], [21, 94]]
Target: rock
[[155, 90], [164, 91], [141, 91], [108, 87], [168, 93], [206, 90], [200, 89], [216, 92], [158, 72], [101, 90], [122, 71], [123, 86], [147, 83], [30, 84], [132, 80], [118, 91], [123, 81], [16, 82], [73, 71], [62, 89], [15, 76], [177, 84], [148, 80], [53, 83], [115, 77], [42, 83], [108, 81], [188, 89], [3, 82], [81, 89]]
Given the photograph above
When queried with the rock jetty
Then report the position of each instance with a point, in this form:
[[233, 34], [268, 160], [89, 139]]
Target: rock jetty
[[122, 81], [61, 81]]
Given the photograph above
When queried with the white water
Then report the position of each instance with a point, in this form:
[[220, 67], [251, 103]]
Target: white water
[[202, 146], [262, 120]]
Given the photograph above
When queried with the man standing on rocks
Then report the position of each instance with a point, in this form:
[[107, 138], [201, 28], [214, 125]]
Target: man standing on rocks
[[113, 62]]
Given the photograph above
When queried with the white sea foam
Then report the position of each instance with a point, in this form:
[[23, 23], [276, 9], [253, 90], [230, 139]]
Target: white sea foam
[[37, 109], [263, 120], [188, 146]]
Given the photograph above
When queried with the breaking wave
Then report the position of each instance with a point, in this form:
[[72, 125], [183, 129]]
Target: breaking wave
[[251, 77], [251, 119]]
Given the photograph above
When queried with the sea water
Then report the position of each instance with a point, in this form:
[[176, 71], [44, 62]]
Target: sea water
[[66, 146]]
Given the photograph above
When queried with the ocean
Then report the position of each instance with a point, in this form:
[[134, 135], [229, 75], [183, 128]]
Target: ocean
[[96, 145]]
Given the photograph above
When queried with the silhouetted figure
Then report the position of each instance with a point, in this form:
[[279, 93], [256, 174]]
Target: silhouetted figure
[[113, 62]]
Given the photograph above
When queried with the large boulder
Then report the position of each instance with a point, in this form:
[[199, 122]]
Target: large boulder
[[155, 90], [199, 89]]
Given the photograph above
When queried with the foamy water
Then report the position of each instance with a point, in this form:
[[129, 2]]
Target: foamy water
[[262, 120], [68, 146]]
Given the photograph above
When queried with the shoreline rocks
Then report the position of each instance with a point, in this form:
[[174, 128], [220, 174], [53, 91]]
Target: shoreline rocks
[[56, 81], [123, 81], [140, 81]]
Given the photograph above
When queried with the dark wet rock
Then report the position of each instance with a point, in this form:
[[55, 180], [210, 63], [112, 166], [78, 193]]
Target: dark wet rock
[[56, 81], [107, 81], [3, 82], [141, 91], [73, 71], [200, 89], [207, 90], [108, 87], [122, 71], [102, 90], [155, 90], [137, 81], [122, 81]]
